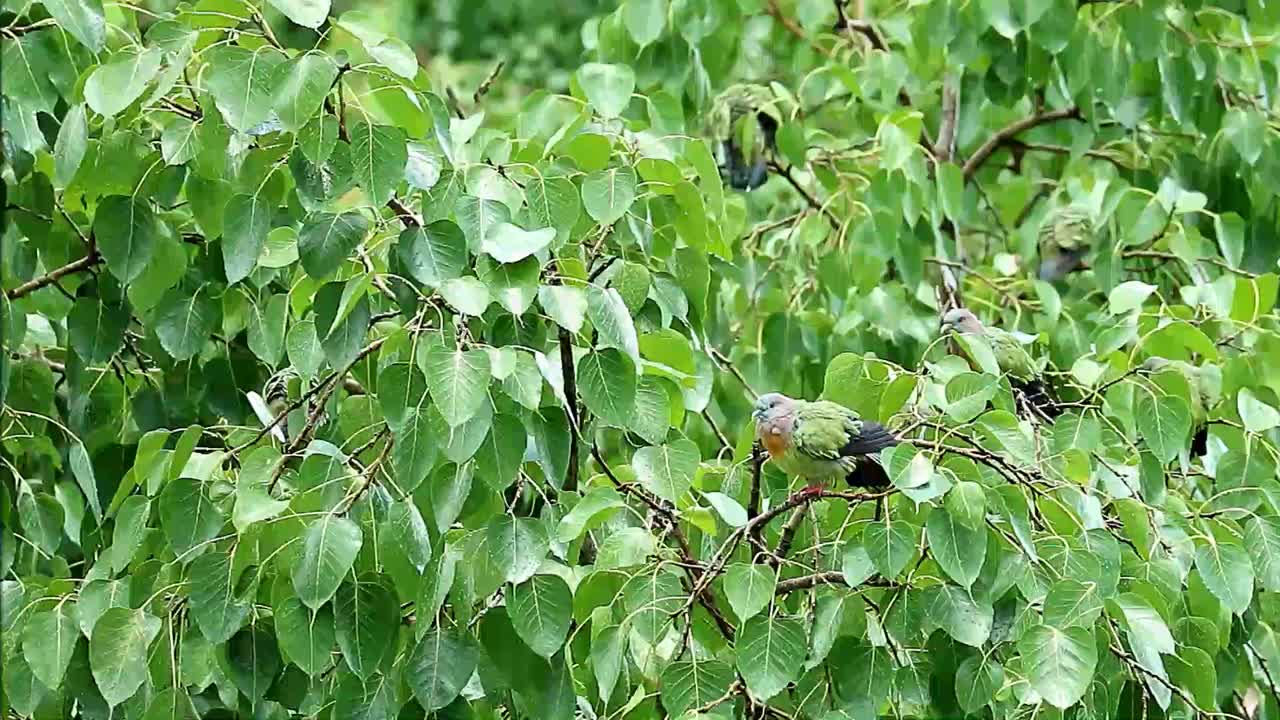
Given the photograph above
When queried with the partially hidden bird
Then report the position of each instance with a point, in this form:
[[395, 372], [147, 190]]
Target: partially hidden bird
[[1011, 357], [1066, 234], [743, 122], [821, 441]]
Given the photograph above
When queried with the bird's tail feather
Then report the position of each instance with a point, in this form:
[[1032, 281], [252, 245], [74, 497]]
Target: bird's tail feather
[[868, 473], [1038, 397], [873, 438]]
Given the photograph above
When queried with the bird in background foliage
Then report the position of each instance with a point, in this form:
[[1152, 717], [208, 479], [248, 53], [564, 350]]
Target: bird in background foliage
[[821, 441], [1204, 383], [1011, 357], [1066, 235], [743, 122], [278, 392]]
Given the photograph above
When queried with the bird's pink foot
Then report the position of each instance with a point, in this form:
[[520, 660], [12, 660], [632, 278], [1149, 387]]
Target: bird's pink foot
[[810, 490]]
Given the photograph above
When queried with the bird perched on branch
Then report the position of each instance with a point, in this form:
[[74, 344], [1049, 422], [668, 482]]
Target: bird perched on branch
[[278, 392], [1066, 234], [1010, 356], [821, 441], [743, 121]]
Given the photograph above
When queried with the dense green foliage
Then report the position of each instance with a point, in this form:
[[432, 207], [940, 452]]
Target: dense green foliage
[[514, 325]]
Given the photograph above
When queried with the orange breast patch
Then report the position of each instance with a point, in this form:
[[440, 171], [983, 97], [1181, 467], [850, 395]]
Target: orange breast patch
[[775, 444]]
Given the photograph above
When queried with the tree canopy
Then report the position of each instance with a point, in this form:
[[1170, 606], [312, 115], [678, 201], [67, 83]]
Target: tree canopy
[[340, 382]]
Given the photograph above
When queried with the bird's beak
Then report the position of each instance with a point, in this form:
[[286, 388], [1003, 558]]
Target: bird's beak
[[757, 415]]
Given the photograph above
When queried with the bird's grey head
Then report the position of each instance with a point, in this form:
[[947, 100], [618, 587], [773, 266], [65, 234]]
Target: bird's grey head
[[962, 321], [771, 404]]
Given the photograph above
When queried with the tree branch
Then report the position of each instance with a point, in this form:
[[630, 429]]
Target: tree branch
[[1011, 131], [56, 274], [945, 148], [571, 396]]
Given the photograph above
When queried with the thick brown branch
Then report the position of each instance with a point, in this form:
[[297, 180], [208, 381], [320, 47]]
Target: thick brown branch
[[56, 274], [1011, 131]]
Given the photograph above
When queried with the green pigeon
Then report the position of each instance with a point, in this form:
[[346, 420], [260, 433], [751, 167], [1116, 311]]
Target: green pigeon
[[821, 441], [1066, 234], [1010, 355], [742, 121]]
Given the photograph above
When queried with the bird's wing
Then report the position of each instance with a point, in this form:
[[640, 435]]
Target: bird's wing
[[1010, 354], [829, 431]]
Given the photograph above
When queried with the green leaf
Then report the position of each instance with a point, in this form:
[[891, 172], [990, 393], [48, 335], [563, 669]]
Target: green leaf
[[609, 193], [184, 321], [179, 143], [326, 240], [48, 641], [607, 649], [1227, 573], [1129, 296], [379, 154], [434, 253], [365, 616], [1059, 663], [466, 294], [246, 224], [749, 588], [1262, 537], [253, 498], [595, 507], [564, 304], [645, 21], [1164, 422], [890, 545], [1072, 603], [1246, 130], [1258, 416], [300, 86], [540, 609], [69, 148], [329, 548], [114, 86], [306, 636], [266, 332], [553, 202], [667, 470], [959, 549], [84, 19], [607, 384], [118, 652], [771, 652], [307, 13], [242, 83], [508, 243], [1230, 231], [458, 381], [188, 515], [963, 617], [609, 316], [977, 680], [125, 230], [96, 330], [215, 606], [439, 667], [688, 684], [518, 546], [607, 87]]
